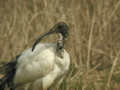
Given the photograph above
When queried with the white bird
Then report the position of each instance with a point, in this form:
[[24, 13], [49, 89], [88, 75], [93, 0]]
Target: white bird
[[41, 65]]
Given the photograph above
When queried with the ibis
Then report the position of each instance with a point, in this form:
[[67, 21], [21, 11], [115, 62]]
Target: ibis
[[41, 65]]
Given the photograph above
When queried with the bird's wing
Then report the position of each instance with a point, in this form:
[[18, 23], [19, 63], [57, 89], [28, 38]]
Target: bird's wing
[[36, 64]]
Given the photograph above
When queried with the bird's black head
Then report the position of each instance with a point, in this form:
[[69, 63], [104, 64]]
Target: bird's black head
[[60, 28]]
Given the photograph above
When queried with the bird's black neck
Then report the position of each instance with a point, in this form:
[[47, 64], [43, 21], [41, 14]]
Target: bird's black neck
[[60, 46], [60, 42]]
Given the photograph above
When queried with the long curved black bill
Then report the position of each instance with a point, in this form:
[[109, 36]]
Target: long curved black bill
[[40, 38]]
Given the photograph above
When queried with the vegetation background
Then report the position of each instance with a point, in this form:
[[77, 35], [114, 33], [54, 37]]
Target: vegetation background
[[93, 44]]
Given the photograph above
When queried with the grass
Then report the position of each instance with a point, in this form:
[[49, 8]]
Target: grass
[[94, 41]]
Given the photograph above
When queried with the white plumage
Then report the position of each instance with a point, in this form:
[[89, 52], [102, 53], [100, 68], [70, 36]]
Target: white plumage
[[42, 65], [39, 66]]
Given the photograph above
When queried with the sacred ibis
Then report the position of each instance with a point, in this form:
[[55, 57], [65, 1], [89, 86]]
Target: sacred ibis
[[41, 65]]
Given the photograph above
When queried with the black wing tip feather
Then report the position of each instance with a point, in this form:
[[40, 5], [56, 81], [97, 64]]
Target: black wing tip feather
[[8, 70]]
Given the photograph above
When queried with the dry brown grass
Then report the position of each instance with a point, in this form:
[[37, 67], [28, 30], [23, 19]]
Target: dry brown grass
[[94, 41]]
